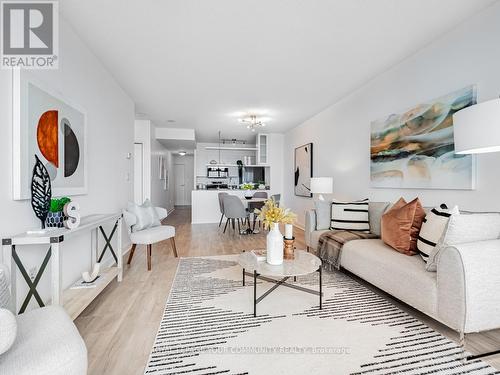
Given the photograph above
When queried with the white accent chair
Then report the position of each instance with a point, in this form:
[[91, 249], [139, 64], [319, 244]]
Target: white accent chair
[[46, 342], [149, 236]]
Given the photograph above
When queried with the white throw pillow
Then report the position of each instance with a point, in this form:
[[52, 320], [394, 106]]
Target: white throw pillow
[[4, 286], [8, 330], [350, 216], [142, 214], [152, 211], [433, 228]]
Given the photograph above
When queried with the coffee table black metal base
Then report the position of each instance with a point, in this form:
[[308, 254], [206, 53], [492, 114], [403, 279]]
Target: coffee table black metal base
[[282, 282]]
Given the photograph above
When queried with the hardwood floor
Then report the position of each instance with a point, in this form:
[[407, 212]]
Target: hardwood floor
[[119, 327]]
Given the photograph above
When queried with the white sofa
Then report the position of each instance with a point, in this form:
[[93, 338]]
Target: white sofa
[[463, 294]]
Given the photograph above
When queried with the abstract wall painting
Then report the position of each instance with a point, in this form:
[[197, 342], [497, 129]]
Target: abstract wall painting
[[303, 170], [415, 149], [48, 127]]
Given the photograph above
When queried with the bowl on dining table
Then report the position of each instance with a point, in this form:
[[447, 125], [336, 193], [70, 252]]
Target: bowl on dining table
[[248, 197]]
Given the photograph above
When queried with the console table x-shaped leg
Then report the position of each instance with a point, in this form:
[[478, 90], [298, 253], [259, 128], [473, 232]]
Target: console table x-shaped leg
[[281, 282], [53, 254]]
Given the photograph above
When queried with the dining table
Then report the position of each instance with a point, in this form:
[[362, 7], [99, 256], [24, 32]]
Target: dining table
[[252, 200]]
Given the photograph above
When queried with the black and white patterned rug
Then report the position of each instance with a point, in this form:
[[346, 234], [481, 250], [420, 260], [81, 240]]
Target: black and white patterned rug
[[208, 327]]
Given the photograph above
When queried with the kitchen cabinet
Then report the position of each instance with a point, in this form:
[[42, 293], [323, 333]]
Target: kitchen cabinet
[[262, 149]]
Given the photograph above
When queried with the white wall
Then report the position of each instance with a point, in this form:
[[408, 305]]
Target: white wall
[[470, 54], [82, 80], [153, 187]]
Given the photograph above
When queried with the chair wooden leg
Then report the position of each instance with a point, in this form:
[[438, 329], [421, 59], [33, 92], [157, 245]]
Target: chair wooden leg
[[308, 248], [131, 255], [225, 226], [149, 256], [239, 226], [220, 222], [172, 241], [232, 222]]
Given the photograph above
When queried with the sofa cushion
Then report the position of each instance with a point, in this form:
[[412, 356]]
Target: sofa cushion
[[465, 228], [350, 215], [402, 276], [401, 224], [375, 212], [323, 214], [432, 230], [47, 343]]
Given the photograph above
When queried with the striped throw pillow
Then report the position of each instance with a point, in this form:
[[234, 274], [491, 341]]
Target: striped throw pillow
[[432, 229], [350, 216]]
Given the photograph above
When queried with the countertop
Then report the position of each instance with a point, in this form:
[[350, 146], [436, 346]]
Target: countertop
[[230, 190]]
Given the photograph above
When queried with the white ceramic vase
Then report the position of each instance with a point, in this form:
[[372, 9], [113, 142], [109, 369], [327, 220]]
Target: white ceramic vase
[[275, 246], [248, 194]]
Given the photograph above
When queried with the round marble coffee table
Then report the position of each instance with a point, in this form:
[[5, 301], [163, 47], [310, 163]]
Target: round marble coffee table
[[303, 264]]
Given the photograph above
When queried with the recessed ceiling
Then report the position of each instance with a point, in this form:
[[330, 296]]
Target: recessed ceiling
[[203, 62]]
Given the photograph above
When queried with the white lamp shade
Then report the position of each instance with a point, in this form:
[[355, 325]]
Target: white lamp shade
[[477, 128], [322, 185]]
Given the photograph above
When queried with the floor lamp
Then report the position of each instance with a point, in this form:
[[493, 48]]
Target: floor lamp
[[476, 130]]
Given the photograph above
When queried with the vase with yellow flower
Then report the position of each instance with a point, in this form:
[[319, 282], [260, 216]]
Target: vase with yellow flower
[[271, 216]]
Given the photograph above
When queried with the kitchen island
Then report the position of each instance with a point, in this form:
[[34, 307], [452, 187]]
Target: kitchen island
[[205, 204]]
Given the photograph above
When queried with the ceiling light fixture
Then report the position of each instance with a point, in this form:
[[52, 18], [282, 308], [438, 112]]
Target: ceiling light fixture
[[182, 153], [252, 122]]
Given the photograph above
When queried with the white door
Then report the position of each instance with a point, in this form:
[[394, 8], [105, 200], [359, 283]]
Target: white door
[[180, 184], [138, 174]]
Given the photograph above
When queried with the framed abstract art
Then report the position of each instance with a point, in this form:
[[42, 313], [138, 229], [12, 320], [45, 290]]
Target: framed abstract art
[[415, 148], [303, 170], [55, 130]]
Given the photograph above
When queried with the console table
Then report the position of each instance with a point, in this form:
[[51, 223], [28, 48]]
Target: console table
[[73, 300]]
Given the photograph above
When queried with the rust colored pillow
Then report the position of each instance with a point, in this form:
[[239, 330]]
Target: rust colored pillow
[[401, 225]]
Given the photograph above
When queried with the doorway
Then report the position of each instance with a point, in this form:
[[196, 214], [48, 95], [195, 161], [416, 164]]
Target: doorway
[[180, 185], [138, 173]]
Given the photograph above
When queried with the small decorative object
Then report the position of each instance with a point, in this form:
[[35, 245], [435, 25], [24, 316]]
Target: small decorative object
[[288, 231], [262, 186], [55, 217], [41, 191], [271, 216], [261, 255], [248, 190], [72, 213], [91, 277], [303, 170], [289, 251], [213, 162]]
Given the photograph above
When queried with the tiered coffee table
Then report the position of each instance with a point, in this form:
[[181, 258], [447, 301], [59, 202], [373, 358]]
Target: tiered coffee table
[[303, 264]]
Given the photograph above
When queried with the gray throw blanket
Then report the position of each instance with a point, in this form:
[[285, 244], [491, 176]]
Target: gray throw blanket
[[330, 245]]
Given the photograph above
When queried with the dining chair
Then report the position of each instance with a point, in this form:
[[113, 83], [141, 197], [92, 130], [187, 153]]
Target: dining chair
[[276, 198], [234, 210], [252, 206], [221, 206]]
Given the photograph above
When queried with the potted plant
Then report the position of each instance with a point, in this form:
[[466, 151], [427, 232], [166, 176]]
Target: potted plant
[[55, 217], [271, 216], [248, 190]]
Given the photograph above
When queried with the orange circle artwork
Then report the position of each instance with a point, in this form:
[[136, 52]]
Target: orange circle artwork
[[47, 137]]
